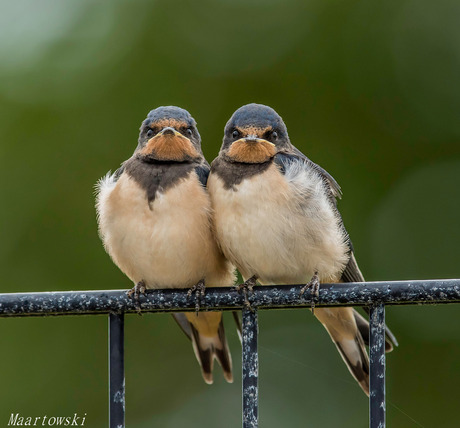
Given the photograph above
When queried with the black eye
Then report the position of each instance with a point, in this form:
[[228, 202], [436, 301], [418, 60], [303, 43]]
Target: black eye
[[189, 131], [150, 133], [271, 135], [235, 134]]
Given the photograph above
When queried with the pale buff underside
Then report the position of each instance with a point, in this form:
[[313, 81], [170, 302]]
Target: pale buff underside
[[280, 228], [283, 229], [168, 244]]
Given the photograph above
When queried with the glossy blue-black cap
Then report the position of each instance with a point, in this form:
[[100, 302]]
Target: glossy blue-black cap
[[170, 112], [257, 115]]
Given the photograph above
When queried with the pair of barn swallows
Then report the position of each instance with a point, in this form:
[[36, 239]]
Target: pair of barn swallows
[[169, 220]]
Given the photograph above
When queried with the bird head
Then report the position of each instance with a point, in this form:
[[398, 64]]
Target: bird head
[[254, 134], [169, 134]]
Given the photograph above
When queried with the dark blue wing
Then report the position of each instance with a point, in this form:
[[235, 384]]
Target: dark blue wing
[[116, 175], [202, 171], [351, 272]]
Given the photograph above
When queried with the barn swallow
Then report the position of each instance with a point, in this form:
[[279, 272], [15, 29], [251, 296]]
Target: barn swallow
[[276, 219], [154, 217]]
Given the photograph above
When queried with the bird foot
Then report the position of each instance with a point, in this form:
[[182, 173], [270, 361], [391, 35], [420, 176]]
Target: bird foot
[[247, 287], [199, 290], [135, 292], [314, 285]]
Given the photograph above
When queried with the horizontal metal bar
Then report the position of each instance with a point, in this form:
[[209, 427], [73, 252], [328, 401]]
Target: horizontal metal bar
[[224, 298]]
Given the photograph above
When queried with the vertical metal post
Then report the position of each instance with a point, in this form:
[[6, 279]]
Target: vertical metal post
[[116, 371], [250, 369], [377, 366]]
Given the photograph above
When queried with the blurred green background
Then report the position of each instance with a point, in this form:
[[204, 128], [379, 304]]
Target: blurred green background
[[368, 89]]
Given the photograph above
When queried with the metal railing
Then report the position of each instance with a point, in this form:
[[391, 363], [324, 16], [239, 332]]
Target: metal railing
[[375, 295]]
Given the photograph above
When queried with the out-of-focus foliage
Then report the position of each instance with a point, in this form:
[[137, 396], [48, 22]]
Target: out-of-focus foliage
[[368, 89]]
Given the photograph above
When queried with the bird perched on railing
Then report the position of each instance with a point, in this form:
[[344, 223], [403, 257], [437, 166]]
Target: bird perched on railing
[[276, 219], [154, 218]]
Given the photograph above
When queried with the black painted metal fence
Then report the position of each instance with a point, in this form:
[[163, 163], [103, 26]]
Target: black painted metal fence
[[374, 295]]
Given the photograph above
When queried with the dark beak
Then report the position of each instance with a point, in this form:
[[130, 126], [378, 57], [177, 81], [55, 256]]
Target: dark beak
[[251, 139], [168, 131]]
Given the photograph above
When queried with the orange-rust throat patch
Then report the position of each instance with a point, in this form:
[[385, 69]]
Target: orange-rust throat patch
[[175, 148], [251, 152]]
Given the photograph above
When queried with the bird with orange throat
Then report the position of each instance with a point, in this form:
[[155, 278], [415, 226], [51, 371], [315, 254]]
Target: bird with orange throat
[[154, 216], [276, 219]]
